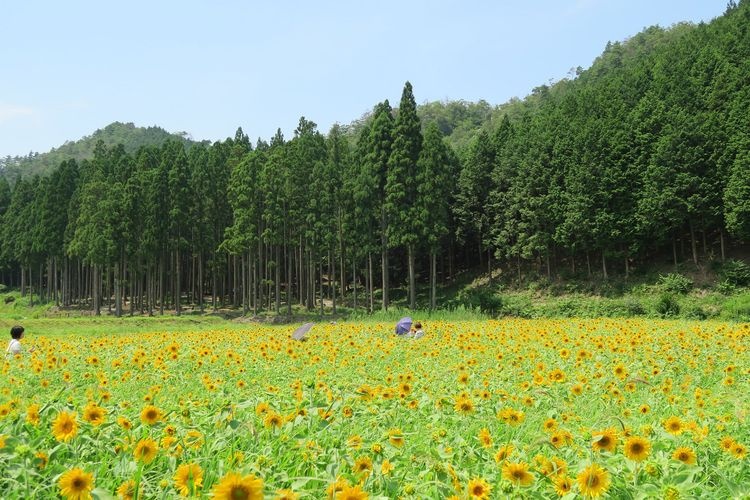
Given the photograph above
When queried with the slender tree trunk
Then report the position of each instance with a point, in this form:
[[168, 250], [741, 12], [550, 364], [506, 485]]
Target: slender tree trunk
[[604, 265], [433, 280], [674, 251], [332, 270], [721, 239], [245, 297], [627, 266], [412, 279], [118, 289], [31, 288], [320, 276], [23, 282], [549, 267], [518, 266], [573, 263], [384, 259], [277, 279], [288, 275], [705, 247], [301, 274], [96, 277], [372, 285], [214, 285], [354, 283], [693, 244], [342, 268], [489, 266], [254, 287], [200, 281], [161, 284]]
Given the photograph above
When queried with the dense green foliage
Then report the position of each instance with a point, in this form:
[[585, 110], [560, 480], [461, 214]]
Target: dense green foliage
[[127, 134], [642, 156]]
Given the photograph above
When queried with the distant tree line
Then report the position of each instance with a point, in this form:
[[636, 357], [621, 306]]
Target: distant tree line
[[645, 153]]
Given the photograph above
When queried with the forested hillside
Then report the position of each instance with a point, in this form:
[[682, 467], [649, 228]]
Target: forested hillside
[[644, 153], [127, 134]]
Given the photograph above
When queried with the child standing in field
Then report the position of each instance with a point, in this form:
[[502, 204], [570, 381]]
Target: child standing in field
[[15, 347]]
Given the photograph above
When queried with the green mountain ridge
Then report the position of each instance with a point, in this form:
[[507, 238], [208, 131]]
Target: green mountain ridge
[[128, 134]]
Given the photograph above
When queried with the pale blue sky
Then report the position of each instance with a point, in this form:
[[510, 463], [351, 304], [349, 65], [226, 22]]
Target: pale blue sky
[[207, 67]]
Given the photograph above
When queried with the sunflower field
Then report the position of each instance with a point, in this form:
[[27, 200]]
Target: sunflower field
[[475, 409]]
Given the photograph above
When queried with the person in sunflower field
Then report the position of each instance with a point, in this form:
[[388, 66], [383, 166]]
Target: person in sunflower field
[[15, 347], [416, 331]]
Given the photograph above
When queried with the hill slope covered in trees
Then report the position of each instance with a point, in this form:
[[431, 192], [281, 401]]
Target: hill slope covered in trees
[[644, 154], [127, 134]]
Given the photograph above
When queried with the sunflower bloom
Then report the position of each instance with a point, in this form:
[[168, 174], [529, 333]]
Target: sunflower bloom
[[479, 488], [685, 455], [386, 467], [605, 440], [32, 414], [593, 481], [65, 427], [637, 448], [188, 478], [286, 495], [674, 426], [150, 415], [396, 437], [94, 414], [738, 450], [76, 485], [235, 487], [518, 473], [126, 491], [145, 450], [504, 452], [563, 485], [485, 439], [363, 465], [351, 493]]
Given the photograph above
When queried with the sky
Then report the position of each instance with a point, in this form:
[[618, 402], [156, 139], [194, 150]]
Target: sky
[[205, 67]]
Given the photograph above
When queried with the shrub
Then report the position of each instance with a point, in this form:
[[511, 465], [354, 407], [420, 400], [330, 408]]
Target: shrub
[[667, 306], [736, 272], [675, 283], [696, 312], [483, 299], [726, 288]]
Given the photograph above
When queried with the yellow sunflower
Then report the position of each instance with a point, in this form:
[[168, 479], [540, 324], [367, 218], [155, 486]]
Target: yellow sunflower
[[235, 487], [593, 481], [479, 488], [685, 455], [65, 427], [188, 478], [76, 485], [674, 425], [126, 491], [351, 493], [563, 485], [518, 473], [32, 414], [485, 439], [396, 437], [605, 440], [637, 448], [145, 450], [151, 415], [94, 414], [286, 495], [738, 450]]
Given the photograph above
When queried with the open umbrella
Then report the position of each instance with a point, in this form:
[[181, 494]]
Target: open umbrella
[[403, 326], [299, 333]]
